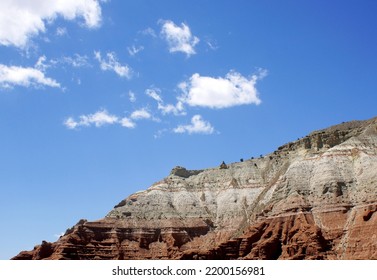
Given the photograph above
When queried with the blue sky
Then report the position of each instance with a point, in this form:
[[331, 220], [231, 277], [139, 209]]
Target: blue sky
[[99, 99]]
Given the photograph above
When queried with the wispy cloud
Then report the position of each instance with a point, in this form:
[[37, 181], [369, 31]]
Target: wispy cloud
[[197, 126], [177, 109], [179, 38], [76, 60], [41, 63], [61, 31], [133, 50], [149, 32], [103, 117], [11, 76], [132, 96], [98, 119], [232, 90], [160, 133], [112, 64], [155, 94], [21, 20], [212, 44]]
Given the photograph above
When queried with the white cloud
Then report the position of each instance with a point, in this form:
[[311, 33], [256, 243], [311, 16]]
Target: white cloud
[[154, 93], [232, 90], [98, 119], [197, 126], [132, 96], [71, 123], [112, 64], [177, 109], [61, 31], [76, 60], [133, 50], [40, 64], [179, 38], [11, 76], [212, 45], [160, 133], [140, 114], [126, 122], [102, 117], [149, 31], [20, 20]]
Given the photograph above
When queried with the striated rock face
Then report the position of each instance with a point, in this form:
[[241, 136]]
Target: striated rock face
[[315, 198]]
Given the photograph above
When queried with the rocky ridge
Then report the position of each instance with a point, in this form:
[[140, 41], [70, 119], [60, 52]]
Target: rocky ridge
[[313, 198]]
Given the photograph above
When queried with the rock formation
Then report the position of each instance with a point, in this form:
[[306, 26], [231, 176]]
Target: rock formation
[[314, 198]]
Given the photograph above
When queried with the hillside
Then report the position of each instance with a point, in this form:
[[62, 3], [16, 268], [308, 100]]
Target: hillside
[[313, 198]]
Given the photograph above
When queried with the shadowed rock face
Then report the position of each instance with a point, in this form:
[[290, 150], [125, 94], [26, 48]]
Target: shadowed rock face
[[314, 198]]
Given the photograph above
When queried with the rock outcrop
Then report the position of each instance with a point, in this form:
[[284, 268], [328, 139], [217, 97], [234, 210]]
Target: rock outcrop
[[314, 198]]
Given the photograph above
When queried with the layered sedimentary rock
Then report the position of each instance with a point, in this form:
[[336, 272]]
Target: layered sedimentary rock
[[314, 198]]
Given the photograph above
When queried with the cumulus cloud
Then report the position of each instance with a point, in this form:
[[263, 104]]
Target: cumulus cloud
[[98, 119], [197, 126], [177, 109], [140, 114], [179, 38], [20, 20], [127, 122], [112, 64], [232, 90], [11, 76], [71, 123]]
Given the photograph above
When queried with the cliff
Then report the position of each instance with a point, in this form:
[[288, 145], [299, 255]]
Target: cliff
[[314, 198]]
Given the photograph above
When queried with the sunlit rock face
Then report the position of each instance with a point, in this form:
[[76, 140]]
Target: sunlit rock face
[[314, 198]]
